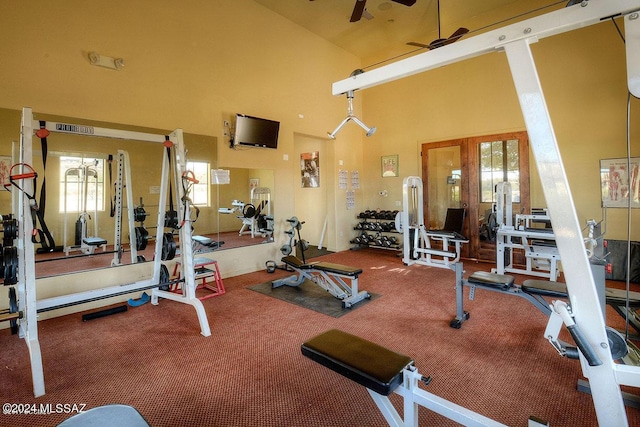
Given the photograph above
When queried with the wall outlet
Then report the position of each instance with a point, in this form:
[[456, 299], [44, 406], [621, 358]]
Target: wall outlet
[[398, 203]]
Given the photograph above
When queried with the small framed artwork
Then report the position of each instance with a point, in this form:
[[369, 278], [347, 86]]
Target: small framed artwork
[[390, 165], [5, 166], [620, 182], [254, 183]]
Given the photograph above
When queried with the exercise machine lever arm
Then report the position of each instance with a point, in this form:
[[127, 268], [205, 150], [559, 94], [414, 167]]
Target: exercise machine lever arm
[[561, 314]]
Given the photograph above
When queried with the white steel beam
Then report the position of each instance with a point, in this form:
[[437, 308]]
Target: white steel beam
[[76, 129], [585, 304], [547, 25]]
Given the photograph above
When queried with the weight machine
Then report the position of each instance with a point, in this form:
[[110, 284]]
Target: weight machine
[[605, 377], [28, 304], [81, 177], [256, 216], [537, 244], [418, 242]]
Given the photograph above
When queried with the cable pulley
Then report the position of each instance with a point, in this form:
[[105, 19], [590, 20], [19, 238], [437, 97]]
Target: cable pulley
[[168, 247]]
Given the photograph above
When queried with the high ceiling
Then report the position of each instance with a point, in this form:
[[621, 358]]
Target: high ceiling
[[393, 24]]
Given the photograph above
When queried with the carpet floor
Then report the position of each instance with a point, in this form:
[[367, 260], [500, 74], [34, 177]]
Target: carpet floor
[[250, 371]]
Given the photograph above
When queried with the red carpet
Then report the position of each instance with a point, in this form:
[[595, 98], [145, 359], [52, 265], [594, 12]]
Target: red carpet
[[250, 372]]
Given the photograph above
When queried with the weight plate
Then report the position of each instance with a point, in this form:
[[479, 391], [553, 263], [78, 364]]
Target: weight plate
[[164, 277], [294, 222], [617, 344], [168, 247], [13, 308], [286, 250], [10, 227], [142, 237], [10, 262], [139, 214]]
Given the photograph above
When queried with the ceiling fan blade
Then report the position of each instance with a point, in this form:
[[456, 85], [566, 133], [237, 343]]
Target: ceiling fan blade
[[416, 44], [358, 9], [452, 38], [437, 43], [457, 35], [405, 2]]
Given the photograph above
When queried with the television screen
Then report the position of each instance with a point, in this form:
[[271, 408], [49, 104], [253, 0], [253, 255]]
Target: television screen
[[256, 132]]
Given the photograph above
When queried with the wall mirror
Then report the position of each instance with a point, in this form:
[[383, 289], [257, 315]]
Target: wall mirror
[[246, 208], [79, 175]]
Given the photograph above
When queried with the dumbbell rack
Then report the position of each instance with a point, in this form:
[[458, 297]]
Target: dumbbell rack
[[377, 229]]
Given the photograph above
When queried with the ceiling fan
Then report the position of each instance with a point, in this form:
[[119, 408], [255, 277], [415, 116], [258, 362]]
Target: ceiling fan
[[359, 9], [439, 42]]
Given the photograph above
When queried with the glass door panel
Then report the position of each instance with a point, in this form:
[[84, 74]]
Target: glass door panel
[[444, 180]]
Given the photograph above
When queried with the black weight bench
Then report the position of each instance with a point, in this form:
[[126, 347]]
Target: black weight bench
[[382, 371], [329, 276], [534, 291], [502, 283], [369, 364]]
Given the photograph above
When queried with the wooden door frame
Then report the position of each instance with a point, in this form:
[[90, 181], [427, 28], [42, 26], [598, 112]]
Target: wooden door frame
[[464, 181], [469, 163]]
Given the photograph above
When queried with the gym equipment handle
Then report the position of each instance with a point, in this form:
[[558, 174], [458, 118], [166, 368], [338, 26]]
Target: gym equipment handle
[[584, 346]]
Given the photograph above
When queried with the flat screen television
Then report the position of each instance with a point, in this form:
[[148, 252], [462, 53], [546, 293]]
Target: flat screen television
[[255, 132]]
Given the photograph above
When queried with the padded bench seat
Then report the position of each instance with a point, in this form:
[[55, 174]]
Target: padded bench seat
[[369, 364], [94, 241], [502, 281], [619, 297], [329, 267], [545, 288]]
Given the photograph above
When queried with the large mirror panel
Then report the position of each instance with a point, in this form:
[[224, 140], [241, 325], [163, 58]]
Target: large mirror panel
[[80, 172], [246, 208]]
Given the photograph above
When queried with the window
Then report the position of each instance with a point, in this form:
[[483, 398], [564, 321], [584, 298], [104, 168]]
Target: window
[[81, 184], [199, 193], [499, 161]]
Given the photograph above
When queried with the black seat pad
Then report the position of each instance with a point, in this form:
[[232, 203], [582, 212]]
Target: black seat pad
[[545, 288], [296, 262], [94, 241], [503, 281], [619, 297], [337, 268], [369, 364], [329, 267]]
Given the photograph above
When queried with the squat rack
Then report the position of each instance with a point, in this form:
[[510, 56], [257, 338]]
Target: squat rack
[[29, 305], [606, 377]]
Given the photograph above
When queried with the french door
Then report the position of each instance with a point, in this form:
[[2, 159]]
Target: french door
[[462, 173]]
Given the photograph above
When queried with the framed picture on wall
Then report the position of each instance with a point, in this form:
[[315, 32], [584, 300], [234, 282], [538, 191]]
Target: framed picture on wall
[[5, 166], [390, 165], [310, 169], [620, 182]]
